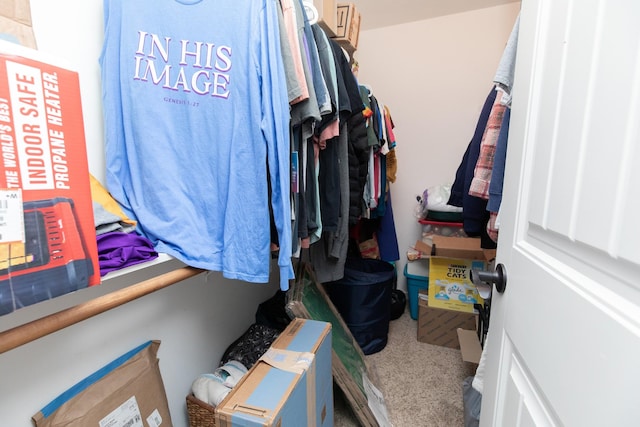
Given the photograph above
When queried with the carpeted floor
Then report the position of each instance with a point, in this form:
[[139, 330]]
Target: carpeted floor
[[421, 383]]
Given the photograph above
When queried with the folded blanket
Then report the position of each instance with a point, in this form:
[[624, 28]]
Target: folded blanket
[[101, 196], [106, 221], [117, 250]]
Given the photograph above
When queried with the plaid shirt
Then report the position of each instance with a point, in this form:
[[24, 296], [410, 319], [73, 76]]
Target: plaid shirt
[[482, 173]]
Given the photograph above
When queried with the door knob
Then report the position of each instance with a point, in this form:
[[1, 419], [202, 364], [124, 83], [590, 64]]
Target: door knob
[[497, 277]]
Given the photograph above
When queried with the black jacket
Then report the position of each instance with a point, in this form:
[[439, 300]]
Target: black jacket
[[357, 135]]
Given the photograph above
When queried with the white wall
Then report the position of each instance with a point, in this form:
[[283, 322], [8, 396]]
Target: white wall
[[195, 320], [73, 30], [434, 75]]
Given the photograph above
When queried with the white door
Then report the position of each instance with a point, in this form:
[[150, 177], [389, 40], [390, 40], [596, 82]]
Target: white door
[[564, 338]]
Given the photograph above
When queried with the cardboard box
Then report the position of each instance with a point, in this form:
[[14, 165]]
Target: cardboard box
[[351, 371], [450, 283], [47, 230], [15, 22], [291, 385], [348, 27], [451, 261], [454, 247], [128, 391], [325, 13], [304, 335], [439, 326], [425, 249], [461, 247]]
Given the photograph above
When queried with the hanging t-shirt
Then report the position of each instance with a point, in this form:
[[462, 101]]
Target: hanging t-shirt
[[196, 110]]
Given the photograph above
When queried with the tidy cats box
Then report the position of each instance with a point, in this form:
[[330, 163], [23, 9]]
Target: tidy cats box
[[450, 283]]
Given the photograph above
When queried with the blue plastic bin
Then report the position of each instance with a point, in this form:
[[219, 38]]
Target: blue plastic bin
[[417, 274]]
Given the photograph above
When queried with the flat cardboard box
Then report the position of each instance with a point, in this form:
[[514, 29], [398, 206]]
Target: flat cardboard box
[[127, 391], [291, 385], [47, 236], [439, 326], [348, 27], [352, 373]]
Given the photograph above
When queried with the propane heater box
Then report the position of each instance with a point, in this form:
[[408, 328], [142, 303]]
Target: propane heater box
[[47, 230]]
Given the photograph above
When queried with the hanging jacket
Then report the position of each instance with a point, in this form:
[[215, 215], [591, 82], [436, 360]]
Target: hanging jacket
[[358, 161], [474, 209], [357, 136]]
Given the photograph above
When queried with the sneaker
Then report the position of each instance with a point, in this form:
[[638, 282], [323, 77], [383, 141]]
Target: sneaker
[[231, 372], [210, 388]]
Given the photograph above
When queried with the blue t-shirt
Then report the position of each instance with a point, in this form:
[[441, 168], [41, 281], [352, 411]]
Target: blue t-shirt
[[196, 114]]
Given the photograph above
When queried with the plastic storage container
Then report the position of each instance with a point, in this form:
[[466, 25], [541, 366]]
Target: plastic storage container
[[441, 228], [417, 274]]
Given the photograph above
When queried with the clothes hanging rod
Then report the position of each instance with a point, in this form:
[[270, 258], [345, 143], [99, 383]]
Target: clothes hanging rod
[[38, 328]]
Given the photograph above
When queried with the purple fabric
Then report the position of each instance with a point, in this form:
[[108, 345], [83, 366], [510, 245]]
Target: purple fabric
[[118, 250]]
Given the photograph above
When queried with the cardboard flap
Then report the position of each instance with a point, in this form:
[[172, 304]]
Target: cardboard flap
[[470, 347], [424, 248]]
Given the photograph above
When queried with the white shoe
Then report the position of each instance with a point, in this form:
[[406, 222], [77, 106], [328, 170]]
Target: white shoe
[[210, 388], [231, 372]]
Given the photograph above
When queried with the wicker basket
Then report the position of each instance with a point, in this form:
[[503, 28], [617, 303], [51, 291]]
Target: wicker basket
[[201, 414]]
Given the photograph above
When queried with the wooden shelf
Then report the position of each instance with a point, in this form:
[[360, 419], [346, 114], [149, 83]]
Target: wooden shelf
[[117, 288]]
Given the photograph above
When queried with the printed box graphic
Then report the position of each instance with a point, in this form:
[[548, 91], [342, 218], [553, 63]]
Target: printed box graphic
[[47, 230], [450, 284]]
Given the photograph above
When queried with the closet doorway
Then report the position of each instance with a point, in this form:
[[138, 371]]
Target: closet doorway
[[564, 336]]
